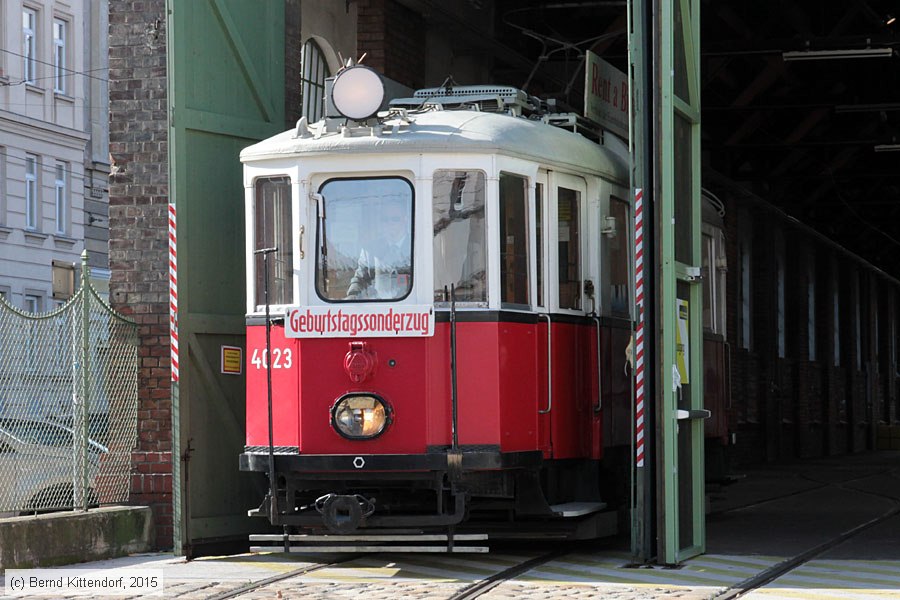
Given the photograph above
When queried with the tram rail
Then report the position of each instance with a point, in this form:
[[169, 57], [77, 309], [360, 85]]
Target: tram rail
[[786, 566]]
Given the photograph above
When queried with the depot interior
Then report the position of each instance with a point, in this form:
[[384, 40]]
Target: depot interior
[[800, 129], [799, 138]]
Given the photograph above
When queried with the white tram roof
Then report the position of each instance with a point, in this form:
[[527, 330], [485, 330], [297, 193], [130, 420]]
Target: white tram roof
[[453, 131]]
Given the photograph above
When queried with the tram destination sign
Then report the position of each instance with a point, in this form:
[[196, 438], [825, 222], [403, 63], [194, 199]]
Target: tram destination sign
[[359, 321], [606, 95]]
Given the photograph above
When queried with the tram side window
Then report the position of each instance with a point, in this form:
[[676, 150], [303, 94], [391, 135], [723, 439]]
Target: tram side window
[[569, 249], [514, 241], [273, 230], [709, 292], [619, 288], [539, 240], [459, 236]]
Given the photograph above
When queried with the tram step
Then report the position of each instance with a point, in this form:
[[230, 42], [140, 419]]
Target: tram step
[[436, 543], [577, 509]]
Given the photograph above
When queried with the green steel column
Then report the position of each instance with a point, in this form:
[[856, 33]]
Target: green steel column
[[643, 530]]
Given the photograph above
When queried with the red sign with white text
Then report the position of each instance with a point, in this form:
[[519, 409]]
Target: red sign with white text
[[359, 321]]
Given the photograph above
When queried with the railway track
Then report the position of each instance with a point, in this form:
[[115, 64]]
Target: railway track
[[440, 576], [772, 573], [256, 585]]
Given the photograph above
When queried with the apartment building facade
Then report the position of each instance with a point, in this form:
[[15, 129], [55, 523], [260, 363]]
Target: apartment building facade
[[54, 149]]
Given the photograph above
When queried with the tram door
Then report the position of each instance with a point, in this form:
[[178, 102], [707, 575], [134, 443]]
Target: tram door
[[562, 424]]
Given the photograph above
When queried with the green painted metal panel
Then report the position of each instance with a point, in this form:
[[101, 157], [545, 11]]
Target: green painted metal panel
[[681, 473], [664, 46], [226, 91]]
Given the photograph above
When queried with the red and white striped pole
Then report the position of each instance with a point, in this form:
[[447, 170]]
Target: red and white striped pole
[[173, 294], [639, 332]]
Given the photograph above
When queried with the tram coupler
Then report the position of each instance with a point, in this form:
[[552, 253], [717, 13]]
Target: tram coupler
[[344, 513]]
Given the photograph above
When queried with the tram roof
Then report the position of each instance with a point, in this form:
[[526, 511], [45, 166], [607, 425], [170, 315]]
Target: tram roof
[[463, 131]]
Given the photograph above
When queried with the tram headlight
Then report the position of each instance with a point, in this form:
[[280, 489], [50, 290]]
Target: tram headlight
[[360, 416], [357, 92]]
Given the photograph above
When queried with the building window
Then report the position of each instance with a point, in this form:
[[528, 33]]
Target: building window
[[59, 56], [62, 198], [2, 185], [29, 23], [745, 312], [31, 195], [857, 318], [33, 303], [811, 307], [836, 316], [780, 297], [312, 81]]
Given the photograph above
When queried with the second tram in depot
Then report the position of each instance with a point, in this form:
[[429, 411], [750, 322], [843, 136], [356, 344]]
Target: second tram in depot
[[450, 300]]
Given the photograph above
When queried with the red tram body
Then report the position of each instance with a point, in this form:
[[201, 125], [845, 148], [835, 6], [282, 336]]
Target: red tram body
[[397, 407]]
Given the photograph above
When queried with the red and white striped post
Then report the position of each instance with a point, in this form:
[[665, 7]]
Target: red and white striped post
[[173, 294], [639, 332]]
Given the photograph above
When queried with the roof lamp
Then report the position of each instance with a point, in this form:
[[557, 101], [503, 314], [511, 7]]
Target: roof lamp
[[357, 92], [837, 54]]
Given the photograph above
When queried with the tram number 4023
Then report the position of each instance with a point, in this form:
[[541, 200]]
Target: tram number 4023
[[282, 358]]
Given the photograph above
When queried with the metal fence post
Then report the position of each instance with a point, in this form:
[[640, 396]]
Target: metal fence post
[[81, 429]]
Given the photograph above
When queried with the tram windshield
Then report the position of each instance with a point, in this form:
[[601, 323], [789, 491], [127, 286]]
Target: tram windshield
[[364, 240]]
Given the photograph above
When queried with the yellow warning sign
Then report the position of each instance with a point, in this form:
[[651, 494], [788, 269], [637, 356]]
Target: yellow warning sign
[[232, 360], [682, 342]]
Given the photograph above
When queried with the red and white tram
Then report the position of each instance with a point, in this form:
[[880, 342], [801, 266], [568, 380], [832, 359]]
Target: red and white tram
[[447, 282]]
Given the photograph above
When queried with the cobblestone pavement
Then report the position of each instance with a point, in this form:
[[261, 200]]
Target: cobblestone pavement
[[600, 574]]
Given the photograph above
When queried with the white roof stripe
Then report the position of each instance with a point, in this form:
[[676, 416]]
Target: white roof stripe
[[458, 131]]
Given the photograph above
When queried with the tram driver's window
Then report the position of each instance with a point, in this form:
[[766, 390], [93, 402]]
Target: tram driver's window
[[364, 240], [273, 230], [513, 241], [569, 249], [459, 237]]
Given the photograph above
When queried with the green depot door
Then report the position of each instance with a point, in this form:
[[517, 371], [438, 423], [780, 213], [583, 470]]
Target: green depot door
[[680, 503], [226, 91]]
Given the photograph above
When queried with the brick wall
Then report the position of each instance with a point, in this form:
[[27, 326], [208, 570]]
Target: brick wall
[[138, 197], [393, 38], [293, 51], [793, 407]]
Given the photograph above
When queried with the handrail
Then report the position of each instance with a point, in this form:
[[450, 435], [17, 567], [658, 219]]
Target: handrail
[[549, 367]]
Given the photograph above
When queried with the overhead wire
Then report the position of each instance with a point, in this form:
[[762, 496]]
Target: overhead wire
[[70, 71]]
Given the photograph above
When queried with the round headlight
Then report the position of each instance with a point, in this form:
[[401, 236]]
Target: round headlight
[[357, 92], [360, 416]]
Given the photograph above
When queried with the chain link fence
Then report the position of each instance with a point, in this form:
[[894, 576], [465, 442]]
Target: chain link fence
[[68, 404]]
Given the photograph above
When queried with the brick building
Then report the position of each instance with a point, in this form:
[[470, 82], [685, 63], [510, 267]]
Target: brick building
[[138, 229]]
